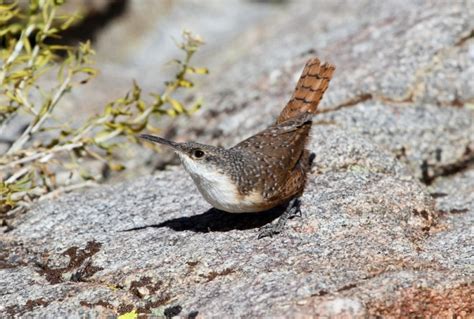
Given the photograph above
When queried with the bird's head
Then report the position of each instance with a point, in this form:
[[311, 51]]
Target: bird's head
[[197, 158]]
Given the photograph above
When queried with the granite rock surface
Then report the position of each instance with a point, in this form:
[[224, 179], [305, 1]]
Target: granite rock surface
[[387, 223]]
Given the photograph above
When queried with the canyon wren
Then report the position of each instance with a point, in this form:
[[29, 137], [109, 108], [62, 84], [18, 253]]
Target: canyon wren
[[266, 170]]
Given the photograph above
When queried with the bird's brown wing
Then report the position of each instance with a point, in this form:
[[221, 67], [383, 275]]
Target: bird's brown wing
[[296, 182], [309, 90], [276, 151]]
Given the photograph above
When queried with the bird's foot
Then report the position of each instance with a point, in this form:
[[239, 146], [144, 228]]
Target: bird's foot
[[292, 210]]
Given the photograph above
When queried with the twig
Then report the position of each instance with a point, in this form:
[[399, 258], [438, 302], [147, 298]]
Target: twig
[[36, 125], [24, 100], [17, 175], [69, 188], [41, 155], [17, 50]]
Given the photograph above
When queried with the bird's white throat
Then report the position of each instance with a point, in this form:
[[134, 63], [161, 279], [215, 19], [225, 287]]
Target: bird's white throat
[[218, 189]]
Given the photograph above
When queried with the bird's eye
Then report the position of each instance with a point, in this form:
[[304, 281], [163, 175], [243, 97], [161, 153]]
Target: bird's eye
[[198, 153]]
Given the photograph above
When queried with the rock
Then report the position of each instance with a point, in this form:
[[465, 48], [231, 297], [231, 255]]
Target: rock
[[387, 214], [414, 133], [139, 43]]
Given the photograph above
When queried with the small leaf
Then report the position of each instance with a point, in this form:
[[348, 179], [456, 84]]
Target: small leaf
[[20, 74], [136, 91], [196, 106], [185, 83], [87, 70], [116, 167], [69, 21], [198, 70], [129, 315], [12, 28], [140, 105], [27, 45], [171, 113], [54, 47], [7, 109], [176, 105]]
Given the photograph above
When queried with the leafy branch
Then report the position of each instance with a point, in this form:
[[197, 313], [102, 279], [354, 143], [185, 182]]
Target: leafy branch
[[49, 154]]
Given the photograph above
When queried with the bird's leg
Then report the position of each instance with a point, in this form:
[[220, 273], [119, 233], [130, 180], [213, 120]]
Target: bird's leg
[[292, 210]]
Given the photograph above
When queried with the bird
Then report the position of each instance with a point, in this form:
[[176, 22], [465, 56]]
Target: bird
[[266, 170]]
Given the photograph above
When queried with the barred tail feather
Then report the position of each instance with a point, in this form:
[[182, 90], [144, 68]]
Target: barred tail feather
[[309, 90]]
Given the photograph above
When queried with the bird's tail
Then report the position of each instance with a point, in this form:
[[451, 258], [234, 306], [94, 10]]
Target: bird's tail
[[309, 90]]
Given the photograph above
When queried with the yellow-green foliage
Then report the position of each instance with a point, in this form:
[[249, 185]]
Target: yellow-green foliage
[[129, 315], [30, 166]]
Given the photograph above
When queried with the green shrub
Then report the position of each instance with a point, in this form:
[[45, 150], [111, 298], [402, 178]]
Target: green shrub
[[35, 163]]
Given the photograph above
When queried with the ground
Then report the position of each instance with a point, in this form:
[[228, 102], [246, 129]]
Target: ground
[[387, 219]]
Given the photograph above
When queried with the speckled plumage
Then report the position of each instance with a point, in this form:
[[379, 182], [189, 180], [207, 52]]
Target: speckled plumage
[[267, 169]]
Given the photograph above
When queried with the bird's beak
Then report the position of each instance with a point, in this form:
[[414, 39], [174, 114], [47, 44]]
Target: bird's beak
[[160, 140]]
